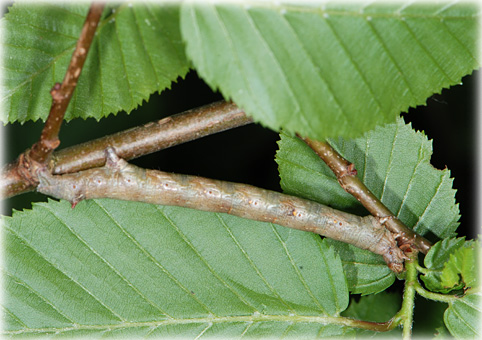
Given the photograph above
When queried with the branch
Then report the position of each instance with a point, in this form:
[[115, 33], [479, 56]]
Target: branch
[[152, 137], [133, 143], [121, 180], [345, 172], [20, 176], [62, 93]]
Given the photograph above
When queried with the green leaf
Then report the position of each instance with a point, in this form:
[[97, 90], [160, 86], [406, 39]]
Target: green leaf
[[394, 163], [137, 50], [463, 316], [462, 269], [366, 272], [330, 69], [116, 268], [435, 261]]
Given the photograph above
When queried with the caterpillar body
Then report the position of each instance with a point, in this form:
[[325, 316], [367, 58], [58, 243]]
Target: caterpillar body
[[121, 180]]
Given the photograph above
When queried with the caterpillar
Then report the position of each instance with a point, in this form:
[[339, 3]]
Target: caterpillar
[[118, 179]]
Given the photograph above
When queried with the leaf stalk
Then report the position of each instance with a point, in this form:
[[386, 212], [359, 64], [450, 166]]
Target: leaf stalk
[[408, 304], [447, 298]]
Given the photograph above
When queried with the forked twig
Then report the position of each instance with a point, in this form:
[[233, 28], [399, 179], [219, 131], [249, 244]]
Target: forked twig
[[345, 172], [121, 180], [135, 142], [20, 176]]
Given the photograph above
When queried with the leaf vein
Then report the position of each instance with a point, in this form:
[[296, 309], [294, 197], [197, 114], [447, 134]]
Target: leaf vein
[[123, 62], [133, 240], [65, 273], [456, 38], [99, 78], [39, 71], [391, 57], [461, 318], [444, 8], [209, 325], [242, 75], [30, 97], [317, 70], [279, 67], [366, 153], [355, 65], [40, 296], [426, 51], [256, 269], [330, 276], [203, 260], [245, 330], [296, 269], [144, 45], [410, 183], [14, 316], [29, 48], [429, 206], [390, 163], [99, 256], [168, 36], [42, 29]]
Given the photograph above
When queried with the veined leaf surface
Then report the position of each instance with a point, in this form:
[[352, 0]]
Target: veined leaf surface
[[326, 69], [394, 163], [462, 318], [116, 268], [136, 52], [435, 261]]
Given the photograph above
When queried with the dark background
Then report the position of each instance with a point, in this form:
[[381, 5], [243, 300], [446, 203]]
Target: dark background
[[246, 154]]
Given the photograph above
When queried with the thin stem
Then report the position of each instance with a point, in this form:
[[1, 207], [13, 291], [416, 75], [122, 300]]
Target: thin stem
[[422, 270], [368, 325], [121, 180], [21, 175], [434, 296], [346, 174], [62, 93], [132, 143], [408, 304]]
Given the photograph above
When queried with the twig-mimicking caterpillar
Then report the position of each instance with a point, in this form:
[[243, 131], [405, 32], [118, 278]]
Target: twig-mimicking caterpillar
[[121, 180]]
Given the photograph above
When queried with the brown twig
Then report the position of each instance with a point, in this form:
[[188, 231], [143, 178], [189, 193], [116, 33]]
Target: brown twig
[[62, 93], [133, 143], [20, 176], [152, 137], [345, 172]]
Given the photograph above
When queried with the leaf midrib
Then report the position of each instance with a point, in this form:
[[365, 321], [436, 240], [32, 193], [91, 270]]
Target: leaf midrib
[[211, 320], [392, 14]]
